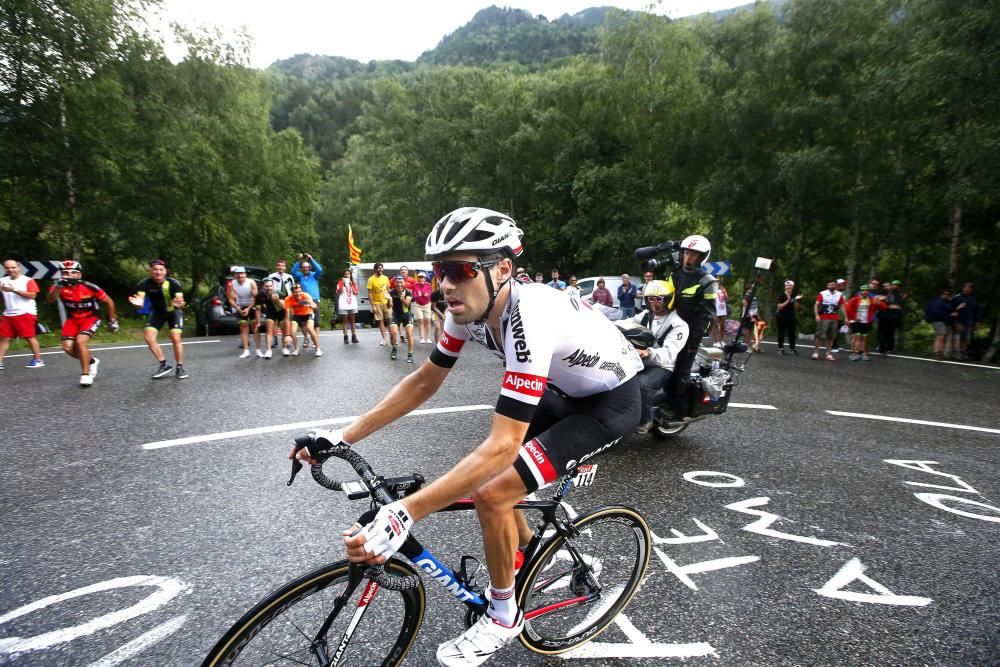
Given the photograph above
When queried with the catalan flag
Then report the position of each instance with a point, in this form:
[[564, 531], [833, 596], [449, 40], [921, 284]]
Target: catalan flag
[[353, 250]]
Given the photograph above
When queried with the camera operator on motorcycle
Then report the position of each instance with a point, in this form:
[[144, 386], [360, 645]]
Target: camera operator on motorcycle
[[670, 334], [694, 290]]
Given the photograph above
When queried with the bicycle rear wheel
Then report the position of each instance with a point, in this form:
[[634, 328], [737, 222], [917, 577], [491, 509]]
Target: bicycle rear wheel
[[280, 629], [575, 588]]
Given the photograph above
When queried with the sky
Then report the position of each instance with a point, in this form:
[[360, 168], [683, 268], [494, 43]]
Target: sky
[[375, 29]]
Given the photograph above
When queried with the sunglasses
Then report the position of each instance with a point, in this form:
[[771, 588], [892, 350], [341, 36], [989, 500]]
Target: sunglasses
[[459, 272], [657, 299]]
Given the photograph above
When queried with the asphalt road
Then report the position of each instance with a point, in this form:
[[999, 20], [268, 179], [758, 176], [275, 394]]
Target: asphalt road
[[786, 536]]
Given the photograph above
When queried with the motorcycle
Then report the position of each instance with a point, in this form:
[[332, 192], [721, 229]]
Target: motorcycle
[[715, 372]]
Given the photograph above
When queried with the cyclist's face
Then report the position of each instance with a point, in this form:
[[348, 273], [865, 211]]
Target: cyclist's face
[[467, 300]]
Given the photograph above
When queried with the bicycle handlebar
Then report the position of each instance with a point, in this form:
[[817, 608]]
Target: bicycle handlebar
[[410, 548]]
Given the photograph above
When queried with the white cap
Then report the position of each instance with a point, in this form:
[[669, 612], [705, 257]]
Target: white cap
[[237, 269]]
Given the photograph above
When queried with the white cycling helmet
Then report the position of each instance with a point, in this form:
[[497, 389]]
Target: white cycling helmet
[[476, 230], [699, 244]]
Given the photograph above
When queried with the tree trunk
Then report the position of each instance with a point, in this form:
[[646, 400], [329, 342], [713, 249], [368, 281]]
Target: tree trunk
[[956, 232], [852, 248], [74, 234]]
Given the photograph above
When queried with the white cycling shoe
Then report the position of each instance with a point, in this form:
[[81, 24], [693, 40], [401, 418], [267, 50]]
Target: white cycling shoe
[[478, 643]]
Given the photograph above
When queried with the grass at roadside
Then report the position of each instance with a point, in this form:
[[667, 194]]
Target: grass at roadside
[[130, 332]]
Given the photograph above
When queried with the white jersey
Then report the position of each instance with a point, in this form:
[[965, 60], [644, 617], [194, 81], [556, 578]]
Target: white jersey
[[549, 340], [243, 293], [15, 304]]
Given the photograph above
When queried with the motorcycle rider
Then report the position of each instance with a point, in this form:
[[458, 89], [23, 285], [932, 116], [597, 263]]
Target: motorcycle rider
[[694, 290], [671, 334]]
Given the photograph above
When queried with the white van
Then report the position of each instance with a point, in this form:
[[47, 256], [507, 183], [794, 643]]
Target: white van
[[362, 272], [612, 283]]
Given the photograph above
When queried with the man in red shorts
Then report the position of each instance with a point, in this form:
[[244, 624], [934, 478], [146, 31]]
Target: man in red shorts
[[83, 316], [19, 313]]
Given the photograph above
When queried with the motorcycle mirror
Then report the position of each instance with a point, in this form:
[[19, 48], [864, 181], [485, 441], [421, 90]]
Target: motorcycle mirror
[[763, 263]]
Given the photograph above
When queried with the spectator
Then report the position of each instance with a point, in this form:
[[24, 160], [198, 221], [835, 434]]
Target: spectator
[[408, 280], [749, 312], [721, 312], [601, 295], [626, 297], [555, 283], [671, 333], [758, 326], [828, 308], [401, 317], [841, 325], [968, 320], [283, 281], [242, 296], [83, 316], [20, 313], [539, 278], [647, 277], [270, 313], [347, 304], [890, 319], [166, 305], [941, 313], [307, 272], [572, 289], [421, 307], [788, 305], [522, 276], [300, 307], [861, 310], [378, 294], [440, 306]]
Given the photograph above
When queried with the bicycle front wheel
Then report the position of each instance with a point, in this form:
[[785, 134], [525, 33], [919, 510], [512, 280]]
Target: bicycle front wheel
[[282, 628], [574, 588]]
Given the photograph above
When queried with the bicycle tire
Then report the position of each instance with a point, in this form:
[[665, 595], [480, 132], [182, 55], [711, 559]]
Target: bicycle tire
[[628, 545], [299, 621]]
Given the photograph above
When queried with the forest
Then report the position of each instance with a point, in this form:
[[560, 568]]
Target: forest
[[841, 138]]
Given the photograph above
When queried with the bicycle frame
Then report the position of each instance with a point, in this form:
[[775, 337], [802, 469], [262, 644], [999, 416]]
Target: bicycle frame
[[458, 588]]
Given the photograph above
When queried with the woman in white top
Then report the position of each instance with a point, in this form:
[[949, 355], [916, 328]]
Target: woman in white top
[[347, 304], [721, 311]]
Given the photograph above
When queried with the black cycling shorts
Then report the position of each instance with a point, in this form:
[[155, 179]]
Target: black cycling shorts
[[175, 318], [565, 432]]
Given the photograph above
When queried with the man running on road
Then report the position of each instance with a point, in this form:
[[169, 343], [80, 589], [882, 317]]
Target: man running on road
[[569, 392], [166, 302], [83, 316]]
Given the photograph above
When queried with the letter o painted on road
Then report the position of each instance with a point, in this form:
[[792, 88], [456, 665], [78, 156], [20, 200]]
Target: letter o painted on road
[[935, 500], [695, 478]]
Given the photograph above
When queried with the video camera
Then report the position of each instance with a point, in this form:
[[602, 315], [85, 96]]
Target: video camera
[[666, 255]]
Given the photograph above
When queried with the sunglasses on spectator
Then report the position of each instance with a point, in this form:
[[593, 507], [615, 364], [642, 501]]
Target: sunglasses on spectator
[[459, 272]]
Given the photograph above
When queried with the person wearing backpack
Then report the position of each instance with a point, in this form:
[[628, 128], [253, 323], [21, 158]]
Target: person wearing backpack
[[658, 361]]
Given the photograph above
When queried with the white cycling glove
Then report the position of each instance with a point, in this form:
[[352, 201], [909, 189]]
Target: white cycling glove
[[388, 530], [324, 439]]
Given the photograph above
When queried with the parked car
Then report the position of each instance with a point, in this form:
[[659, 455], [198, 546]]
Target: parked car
[[214, 316], [588, 284]]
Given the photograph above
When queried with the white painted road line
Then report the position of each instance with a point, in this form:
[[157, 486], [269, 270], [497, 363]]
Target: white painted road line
[[119, 347], [913, 421], [292, 427], [754, 406]]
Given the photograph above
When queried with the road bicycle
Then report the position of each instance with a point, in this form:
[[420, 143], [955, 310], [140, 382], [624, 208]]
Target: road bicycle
[[579, 572]]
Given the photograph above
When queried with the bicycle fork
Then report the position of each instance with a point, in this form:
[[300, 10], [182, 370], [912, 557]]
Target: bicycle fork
[[319, 644]]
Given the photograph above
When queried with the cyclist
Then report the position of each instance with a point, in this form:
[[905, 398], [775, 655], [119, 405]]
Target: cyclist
[[569, 392], [694, 290], [80, 298], [671, 334], [166, 302]]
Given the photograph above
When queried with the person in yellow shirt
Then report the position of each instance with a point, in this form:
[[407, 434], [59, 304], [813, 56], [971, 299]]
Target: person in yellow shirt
[[378, 292]]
